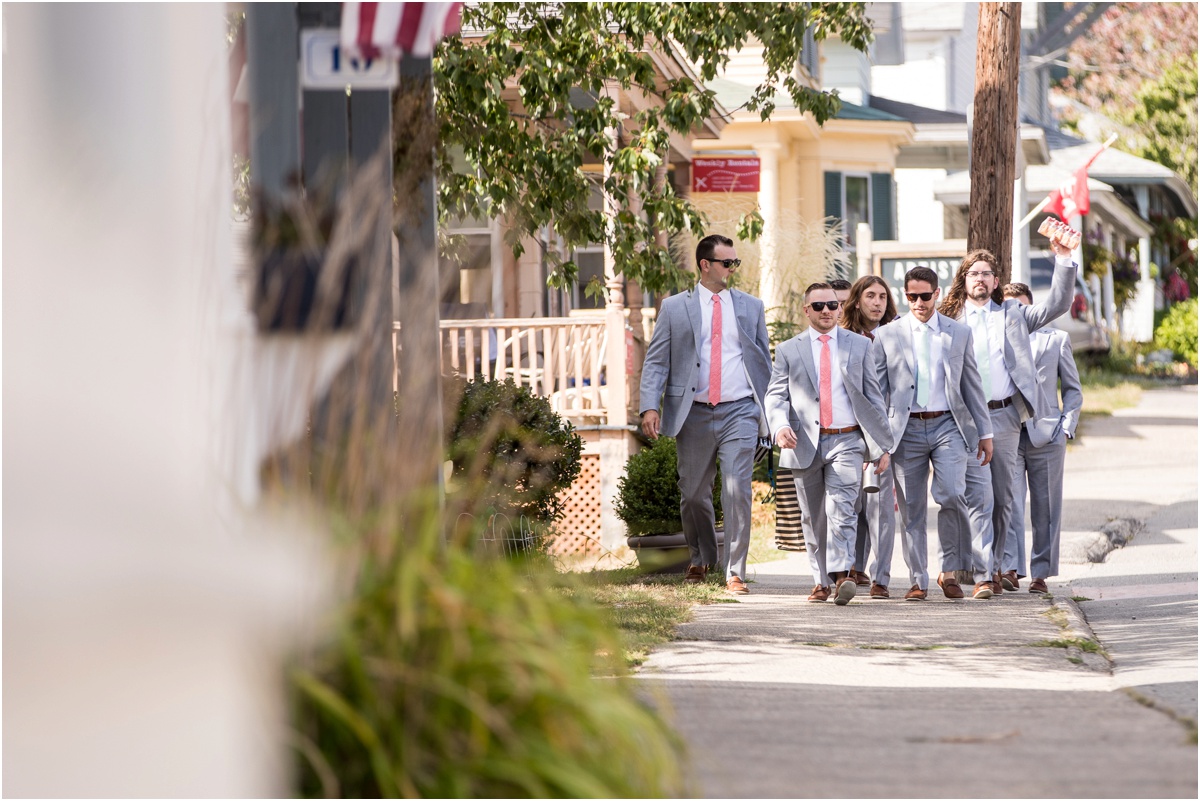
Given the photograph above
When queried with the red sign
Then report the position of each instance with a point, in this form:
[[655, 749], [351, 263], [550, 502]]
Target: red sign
[[725, 175]]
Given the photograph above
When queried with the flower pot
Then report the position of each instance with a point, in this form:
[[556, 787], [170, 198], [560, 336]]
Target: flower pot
[[667, 553]]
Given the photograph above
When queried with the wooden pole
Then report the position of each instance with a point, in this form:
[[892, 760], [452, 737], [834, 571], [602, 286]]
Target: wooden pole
[[994, 132]]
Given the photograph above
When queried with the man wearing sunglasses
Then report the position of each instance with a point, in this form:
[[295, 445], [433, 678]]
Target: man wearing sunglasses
[[1000, 330], [707, 368], [926, 369], [824, 382]]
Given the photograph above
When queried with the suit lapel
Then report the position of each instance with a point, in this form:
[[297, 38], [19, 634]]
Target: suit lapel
[[947, 340], [804, 343], [694, 315]]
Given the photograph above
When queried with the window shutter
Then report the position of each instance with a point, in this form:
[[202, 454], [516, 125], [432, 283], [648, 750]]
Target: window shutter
[[833, 194], [883, 206]]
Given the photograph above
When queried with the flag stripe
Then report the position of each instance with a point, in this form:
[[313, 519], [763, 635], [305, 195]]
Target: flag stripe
[[393, 29]]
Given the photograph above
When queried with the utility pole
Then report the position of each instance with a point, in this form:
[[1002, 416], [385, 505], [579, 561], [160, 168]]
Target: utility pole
[[994, 132]]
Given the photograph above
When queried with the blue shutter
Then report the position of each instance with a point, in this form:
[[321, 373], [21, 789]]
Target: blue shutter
[[883, 206]]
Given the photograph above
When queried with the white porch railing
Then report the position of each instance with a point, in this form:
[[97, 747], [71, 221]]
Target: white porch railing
[[562, 358]]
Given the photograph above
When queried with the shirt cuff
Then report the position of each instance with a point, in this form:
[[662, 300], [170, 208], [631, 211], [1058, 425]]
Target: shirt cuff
[[1063, 261], [986, 436]]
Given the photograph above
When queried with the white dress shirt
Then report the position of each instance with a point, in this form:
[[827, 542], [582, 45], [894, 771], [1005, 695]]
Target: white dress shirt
[[937, 387], [735, 381], [1002, 385], [843, 413]]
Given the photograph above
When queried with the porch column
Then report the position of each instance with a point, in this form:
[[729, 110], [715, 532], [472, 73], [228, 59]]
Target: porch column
[[768, 206], [1139, 313]]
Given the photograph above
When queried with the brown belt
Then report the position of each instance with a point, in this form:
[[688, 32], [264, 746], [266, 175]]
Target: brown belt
[[1001, 403], [845, 430], [927, 415]]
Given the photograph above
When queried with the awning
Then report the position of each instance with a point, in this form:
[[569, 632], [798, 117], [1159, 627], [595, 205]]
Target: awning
[[394, 30]]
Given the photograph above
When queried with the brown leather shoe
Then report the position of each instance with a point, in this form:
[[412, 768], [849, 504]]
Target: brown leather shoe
[[736, 586], [861, 579], [695, 574], [1038, 587], [997, 586], [846, 588], [950, 588], [879, 591], [1009, 580], [820, 594], [915, 594], [983, 591]]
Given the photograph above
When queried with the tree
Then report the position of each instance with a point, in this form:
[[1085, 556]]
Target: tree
[[1137, 68], [522, 106]]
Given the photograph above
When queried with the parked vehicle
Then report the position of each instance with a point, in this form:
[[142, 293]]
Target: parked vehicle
[[1082, 323]]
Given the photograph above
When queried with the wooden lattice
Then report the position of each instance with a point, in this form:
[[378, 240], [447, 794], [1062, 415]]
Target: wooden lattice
[[579, 528]]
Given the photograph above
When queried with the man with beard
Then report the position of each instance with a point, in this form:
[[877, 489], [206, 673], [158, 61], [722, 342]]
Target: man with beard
[[1000, 330]]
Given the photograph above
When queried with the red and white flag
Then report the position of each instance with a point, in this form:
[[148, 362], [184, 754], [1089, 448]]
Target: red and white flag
[[393, 30], [1072, 196]]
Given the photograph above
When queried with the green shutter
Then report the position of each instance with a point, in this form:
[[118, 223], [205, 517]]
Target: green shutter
[[833, 194], [883, 206]]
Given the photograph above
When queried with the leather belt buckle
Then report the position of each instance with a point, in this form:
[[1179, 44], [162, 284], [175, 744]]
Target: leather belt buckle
[[1000, 404]]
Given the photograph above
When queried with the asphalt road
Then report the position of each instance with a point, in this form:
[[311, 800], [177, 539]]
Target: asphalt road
[[777, 697]]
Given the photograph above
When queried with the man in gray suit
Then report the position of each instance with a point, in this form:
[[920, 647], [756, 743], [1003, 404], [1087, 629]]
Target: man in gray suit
[[1005, 362], [824, 378], [1041, 456], [938, 416], [707, 368]]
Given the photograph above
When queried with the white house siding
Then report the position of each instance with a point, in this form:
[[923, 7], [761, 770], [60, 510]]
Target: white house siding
[[848, 71]]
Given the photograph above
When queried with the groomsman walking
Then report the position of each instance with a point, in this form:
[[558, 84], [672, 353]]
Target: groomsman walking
[[1000, 330], [1041, 457], [823, 379], [938, 415]]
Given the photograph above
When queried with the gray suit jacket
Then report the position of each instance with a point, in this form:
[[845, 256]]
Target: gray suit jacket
[[1055, 363], [671, 370], [1019, 321], [895, 365], [794, 394]]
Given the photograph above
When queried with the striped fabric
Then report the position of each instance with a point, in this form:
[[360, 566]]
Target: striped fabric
[[393, 30], [789, 533]]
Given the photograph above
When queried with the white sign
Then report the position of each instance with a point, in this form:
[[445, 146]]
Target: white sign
[[322, 65]]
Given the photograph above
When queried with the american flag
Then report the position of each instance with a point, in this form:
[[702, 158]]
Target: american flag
[[393, 30]]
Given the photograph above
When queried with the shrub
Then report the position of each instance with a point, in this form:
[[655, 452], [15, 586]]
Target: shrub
[[648, 493], [1178, 332], [452, 675], [511, 451]]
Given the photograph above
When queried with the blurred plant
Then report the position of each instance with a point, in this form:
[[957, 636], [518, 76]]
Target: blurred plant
[[512, 453], [451, 675], [648, 495], [1178, 331]]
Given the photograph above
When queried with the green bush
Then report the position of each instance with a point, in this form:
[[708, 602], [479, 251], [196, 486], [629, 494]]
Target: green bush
[[1178, 331], [512, 452], [648, 493], [452, 675]]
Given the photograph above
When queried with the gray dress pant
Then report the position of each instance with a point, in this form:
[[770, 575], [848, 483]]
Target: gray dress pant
[[937, 442], [1042, 469], [877, 529], [828, 491], [728, 431], [990, 494]]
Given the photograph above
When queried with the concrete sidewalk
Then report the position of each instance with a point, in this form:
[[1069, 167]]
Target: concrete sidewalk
[[777, 697]]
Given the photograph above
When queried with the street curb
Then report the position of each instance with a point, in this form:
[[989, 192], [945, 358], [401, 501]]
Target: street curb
[[1077, 628]]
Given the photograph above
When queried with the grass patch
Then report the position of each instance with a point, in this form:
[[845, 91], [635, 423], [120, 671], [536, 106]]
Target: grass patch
[[1085, 645], [1080, 598], [647, 608]]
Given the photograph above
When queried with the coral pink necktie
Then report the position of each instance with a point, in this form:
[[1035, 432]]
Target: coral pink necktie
[[826, 383], [714, 356]]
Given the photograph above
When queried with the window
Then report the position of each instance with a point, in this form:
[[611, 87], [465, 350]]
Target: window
[[862, 197], [468, 278]]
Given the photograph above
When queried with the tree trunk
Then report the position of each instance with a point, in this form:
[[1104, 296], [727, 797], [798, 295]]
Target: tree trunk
[[994, 132]]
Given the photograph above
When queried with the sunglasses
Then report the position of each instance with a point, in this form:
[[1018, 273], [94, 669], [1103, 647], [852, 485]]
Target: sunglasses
[[822, 305], [913, 297], [729, 263]]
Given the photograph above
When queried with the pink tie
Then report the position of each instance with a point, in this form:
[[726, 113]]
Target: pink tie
[[714, 356], [826, 383]]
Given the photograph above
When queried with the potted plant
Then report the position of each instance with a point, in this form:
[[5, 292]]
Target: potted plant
[[648, 503]]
